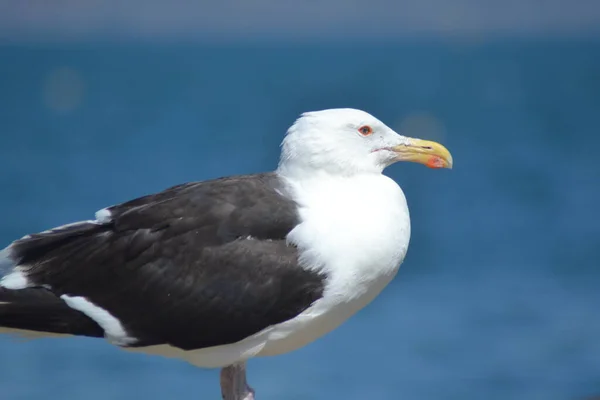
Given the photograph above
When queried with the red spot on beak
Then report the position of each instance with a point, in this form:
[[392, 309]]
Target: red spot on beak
[[435, 162]]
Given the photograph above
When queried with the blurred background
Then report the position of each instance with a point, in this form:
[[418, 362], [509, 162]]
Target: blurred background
[[103, 101]]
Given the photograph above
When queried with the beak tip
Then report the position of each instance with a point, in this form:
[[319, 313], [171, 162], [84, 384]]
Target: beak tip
[[432, 154]]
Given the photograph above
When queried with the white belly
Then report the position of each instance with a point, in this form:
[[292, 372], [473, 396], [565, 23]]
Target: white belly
[[358, 236], [310, 326]]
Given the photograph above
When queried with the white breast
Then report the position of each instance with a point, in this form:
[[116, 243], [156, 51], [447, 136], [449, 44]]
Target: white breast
[[356, 231]]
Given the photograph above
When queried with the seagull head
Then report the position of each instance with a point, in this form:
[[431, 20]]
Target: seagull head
[[348, 141]]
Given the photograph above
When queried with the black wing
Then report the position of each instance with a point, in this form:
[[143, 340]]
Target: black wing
[[197, 265]]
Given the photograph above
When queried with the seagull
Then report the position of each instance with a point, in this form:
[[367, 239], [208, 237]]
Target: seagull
[[220, 271]]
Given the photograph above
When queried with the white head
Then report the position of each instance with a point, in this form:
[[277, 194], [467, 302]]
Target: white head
[[346, 142]]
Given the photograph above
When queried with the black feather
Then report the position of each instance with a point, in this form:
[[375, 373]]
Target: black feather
[[37, 309], [197, 265]]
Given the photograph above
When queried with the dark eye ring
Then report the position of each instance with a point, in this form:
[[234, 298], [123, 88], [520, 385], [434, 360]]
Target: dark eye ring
[[365, 130]]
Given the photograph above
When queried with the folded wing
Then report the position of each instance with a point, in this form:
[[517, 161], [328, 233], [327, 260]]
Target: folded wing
[[197, 265]]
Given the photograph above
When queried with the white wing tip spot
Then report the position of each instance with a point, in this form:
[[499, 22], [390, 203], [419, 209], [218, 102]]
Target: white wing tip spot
[[103, 216], [15, 280]]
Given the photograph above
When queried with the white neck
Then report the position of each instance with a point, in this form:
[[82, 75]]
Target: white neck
[[359, 225]]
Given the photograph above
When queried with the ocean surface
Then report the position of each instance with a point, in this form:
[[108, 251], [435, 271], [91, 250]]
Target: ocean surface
[[499, 296]]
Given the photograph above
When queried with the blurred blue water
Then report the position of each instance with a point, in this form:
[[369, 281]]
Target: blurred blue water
[[498, 296]]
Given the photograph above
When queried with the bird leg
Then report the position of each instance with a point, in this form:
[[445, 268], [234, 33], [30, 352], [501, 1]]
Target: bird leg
[[233, 383]]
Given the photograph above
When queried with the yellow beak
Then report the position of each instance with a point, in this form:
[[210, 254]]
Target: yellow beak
[[432, 154]]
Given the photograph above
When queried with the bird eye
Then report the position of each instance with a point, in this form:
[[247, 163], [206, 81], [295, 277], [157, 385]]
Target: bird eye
[[365, 130]]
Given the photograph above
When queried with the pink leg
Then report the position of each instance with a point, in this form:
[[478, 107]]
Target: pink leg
[[233, 383]]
